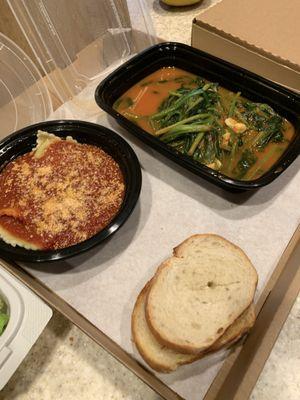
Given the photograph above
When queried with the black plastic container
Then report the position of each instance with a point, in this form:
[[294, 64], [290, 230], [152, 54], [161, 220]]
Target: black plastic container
[[84, 132], [253, 87]]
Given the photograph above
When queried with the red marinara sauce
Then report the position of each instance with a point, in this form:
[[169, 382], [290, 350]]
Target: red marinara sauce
[[62, 198]]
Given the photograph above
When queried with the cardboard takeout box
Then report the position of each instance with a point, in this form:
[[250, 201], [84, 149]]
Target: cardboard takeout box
[[260, 36]]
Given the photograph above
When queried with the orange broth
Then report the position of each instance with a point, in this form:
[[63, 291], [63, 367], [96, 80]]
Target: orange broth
[[148, 94]]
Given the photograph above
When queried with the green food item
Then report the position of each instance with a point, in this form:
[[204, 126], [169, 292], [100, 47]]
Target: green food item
[[182, 130], [263, 119], [4, 317], [232, 155], [183, 121], [247, 160], [195, 144], [233, 104], [177, 106], [2, 305], [195, 117], [213, 125], [124, 101]]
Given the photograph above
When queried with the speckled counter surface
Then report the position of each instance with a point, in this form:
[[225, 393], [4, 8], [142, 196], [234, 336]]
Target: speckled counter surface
[[175, 23], [66, 364]]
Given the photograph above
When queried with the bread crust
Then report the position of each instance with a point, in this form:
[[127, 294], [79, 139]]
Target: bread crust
[[149, 361], [178, 252], [159, 367], [249, 313], [249, 319]]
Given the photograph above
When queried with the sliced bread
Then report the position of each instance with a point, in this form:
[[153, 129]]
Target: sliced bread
[[199, 292], [163, 359], [159, 357], [238, 328]]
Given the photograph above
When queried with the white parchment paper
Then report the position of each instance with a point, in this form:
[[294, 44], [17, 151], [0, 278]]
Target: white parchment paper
[[103, 283]]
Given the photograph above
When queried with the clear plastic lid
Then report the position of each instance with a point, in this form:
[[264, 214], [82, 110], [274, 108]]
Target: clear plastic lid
[[78, 42], [28, 316], [24, 98]]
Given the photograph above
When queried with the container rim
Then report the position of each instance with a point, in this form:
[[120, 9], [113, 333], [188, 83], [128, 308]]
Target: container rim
[[168, 51]]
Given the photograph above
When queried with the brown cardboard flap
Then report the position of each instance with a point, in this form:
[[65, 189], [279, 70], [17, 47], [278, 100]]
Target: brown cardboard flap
[[271, 26], [223, 45]]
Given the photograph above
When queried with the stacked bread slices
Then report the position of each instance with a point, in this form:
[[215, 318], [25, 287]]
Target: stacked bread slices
[[199, 301]]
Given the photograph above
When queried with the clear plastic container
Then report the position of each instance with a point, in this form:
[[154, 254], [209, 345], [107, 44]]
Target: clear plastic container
[[28, 316], [24, 98], [77, 43]]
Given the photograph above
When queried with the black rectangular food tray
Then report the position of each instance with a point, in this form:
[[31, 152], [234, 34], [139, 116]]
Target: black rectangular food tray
[[285, 102]]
